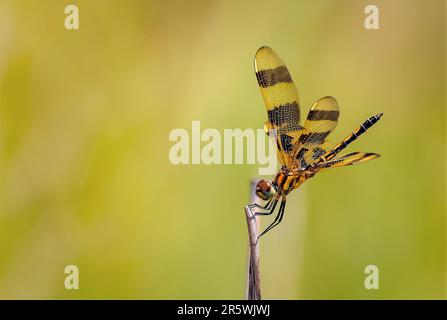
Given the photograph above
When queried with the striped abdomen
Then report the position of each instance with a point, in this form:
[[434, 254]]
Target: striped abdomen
[[349, 139]]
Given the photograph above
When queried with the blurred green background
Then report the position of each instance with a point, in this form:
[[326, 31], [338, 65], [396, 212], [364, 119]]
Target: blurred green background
[[85, 175]]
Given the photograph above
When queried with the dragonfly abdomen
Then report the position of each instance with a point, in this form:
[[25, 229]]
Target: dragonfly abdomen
[[349, 139]]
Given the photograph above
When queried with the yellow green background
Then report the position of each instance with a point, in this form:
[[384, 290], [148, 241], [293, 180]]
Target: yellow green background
[[85, 174]]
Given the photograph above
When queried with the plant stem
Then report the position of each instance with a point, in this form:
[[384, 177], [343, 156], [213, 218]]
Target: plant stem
[[253, 277]]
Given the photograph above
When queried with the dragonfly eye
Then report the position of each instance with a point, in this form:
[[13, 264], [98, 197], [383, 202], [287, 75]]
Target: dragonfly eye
[[265, 190]]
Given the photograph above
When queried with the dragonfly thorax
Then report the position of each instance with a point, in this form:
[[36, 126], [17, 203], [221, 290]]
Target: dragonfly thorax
[[286, 181]]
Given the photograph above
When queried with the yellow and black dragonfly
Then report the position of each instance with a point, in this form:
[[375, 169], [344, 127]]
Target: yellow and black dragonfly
[[302, 150]]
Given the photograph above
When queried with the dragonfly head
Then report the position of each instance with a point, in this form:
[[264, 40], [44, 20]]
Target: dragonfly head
[[265, 190]]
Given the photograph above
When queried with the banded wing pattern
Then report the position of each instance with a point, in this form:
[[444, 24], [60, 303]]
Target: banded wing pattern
[[281, 100], [314, 151], [312, 143]]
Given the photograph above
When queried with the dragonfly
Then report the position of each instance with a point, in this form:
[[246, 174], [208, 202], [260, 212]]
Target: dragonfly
[[302, 150]]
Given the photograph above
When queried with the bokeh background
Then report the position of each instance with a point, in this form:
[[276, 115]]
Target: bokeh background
[[85, 175]]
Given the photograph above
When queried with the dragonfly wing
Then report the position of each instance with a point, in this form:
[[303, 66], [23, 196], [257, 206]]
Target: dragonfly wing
[[306, 156], [281, 100], [349, 159], [312, 142]]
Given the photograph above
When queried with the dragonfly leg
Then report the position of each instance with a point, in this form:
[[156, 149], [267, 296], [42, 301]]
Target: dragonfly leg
[[270, 207], [277, 220], [267, 206]]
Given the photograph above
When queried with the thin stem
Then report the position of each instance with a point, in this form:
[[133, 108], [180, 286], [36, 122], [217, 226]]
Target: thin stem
[[253, 277]]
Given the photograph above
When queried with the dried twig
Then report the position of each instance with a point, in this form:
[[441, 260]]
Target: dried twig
[[253, 278]]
